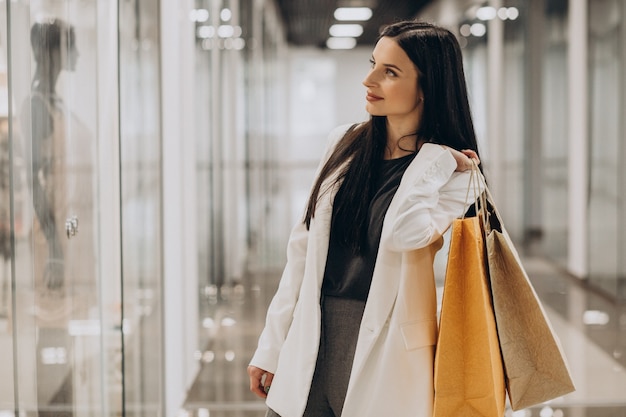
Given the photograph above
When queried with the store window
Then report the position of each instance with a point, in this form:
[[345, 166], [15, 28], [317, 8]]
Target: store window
[[76, 232], [58, 323]]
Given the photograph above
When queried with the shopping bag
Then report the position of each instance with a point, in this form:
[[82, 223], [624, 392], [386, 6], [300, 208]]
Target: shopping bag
[[469, 376], [535, 366]]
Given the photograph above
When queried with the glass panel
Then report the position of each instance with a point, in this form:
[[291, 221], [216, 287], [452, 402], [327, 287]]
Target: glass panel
[[207, 125], [513, 100], [555, 139], [239, 98], [68, 331], [606, 107], [7, 388], [141, 206]]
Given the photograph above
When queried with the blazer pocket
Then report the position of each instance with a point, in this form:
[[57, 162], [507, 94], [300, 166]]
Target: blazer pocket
[[418, 334]]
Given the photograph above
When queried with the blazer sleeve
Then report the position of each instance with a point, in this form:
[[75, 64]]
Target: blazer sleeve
[[435, 195], [280, 311]]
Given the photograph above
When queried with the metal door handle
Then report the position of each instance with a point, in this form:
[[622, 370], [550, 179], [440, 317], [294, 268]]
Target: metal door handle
[[71, 226]]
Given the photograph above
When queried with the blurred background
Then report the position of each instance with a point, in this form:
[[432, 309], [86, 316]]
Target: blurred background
[[156, 153]]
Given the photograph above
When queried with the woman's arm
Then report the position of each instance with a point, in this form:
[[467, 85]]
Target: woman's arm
[[280, 312], [437, 196]]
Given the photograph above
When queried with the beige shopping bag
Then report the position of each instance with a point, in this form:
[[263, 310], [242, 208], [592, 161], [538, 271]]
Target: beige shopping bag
[[535, 366]]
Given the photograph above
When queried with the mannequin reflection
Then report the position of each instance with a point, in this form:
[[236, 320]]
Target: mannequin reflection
[[54, 49]]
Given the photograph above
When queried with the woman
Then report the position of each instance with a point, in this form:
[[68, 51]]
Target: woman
[[352, 328]]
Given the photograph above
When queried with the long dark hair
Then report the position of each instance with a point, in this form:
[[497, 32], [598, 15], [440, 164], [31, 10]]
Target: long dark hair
[[446, 120]]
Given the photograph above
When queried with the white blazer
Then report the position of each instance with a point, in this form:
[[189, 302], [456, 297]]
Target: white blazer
[[392, 373]]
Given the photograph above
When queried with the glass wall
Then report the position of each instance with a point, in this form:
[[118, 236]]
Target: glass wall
[[555, 143], [607, 243], [80, 272], [514, 129], [141, 232], [238, 121], [474, 37], [220, 124], [65, 334], [7, 227]]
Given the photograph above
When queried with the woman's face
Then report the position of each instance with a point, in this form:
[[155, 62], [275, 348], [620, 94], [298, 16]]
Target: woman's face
[[392, 83]]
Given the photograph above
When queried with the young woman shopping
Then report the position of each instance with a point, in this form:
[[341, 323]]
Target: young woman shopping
[[352, 328]]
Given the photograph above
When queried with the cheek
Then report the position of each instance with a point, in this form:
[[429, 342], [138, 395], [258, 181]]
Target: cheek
[[406, 96]]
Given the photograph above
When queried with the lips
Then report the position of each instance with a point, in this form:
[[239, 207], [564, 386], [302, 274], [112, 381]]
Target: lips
[[372, 97]]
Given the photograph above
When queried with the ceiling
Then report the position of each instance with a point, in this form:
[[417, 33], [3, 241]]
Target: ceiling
[[308, 21]]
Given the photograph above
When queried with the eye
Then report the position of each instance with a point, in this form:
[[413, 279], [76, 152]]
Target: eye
[[391, 73], [372, 63]]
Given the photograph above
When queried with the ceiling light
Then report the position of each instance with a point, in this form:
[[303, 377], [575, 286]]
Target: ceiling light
[[199, 15], [465, 30], [346, 30], [340, 43], [478, 29], [597, 317], [486, 13], [225, 15], [353, 13], [225, 31], [512, 13], [205, 32]]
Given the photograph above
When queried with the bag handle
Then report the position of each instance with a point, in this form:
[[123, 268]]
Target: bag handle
[[474, 185], [486, 199]]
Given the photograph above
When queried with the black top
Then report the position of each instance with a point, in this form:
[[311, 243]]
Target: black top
[[349, 275]]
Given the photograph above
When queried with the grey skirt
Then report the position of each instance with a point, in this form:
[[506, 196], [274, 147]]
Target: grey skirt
[[341, 319]]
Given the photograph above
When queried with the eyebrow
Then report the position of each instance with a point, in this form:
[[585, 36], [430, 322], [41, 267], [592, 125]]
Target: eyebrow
[[389, 65]]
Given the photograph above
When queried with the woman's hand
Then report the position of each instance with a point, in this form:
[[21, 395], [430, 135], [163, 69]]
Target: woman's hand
[[464, 159], [259, 385]]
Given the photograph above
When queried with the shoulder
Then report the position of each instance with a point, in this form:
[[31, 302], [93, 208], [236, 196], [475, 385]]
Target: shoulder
[[438, 154], [338, 132], [335, 136]]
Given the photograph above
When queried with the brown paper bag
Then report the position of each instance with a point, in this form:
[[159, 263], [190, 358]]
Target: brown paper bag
[[469, 377], [535, 366]]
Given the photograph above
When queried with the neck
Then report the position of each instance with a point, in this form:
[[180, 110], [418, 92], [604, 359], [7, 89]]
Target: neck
[[401, 139]]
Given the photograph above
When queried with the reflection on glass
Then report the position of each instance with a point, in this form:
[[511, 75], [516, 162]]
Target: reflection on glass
[[54, 49], [60, 173], [7, 397], [5, 219]]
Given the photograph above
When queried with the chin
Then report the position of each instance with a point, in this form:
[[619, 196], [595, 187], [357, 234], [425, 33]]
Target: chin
[[373, 112]]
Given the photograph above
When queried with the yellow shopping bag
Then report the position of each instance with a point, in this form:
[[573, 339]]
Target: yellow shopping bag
[[469, 376]]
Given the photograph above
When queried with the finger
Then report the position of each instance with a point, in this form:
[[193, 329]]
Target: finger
[[470, 153], [256, 386], [269, 377]]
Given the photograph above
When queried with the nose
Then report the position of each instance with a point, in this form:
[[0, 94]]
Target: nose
[[369, 79]]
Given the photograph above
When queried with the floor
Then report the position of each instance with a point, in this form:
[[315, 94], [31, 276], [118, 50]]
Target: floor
[[590, 324]]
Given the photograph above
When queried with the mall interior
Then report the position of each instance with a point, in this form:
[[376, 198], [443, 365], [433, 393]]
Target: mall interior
[[155, 155]]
